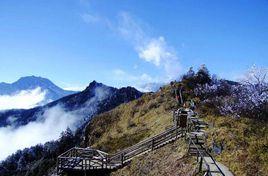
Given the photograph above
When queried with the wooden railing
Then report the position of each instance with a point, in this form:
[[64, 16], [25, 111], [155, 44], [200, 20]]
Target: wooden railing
[[202, 153], [91, 159], [88, 159], [200, 156], [146, 145]]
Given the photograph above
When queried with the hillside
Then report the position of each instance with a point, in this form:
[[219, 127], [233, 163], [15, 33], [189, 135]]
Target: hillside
[[129, 123], [239, 143], [237, 137], [169, 160], [40, 159]]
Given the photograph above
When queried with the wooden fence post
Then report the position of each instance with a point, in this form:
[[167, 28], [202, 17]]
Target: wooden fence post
[[82, 164], [174, 117], [106, 161], [176, 132], [201, 163], [122, 159], [153, 144], [58, 162]]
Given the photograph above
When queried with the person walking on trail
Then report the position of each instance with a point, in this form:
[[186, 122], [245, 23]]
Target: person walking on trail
[[179, 95], [177, 92], [192, 105]]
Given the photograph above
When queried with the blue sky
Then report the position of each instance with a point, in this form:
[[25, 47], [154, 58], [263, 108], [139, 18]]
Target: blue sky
[[123, 42]]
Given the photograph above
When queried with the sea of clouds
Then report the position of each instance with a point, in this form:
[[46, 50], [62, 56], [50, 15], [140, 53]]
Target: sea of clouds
[[24, 99], [49, 125], [55, 120]]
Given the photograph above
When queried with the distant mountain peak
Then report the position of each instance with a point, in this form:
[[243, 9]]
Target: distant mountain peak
[[53, 92], [33, 80], [94, 84]]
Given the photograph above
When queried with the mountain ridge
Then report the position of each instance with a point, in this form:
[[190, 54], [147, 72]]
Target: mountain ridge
[[73, 102], [53, 92]]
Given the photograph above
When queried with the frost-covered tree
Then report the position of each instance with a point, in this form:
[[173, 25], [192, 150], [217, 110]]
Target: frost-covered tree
[[257, 79], [21, 165], [218, 88], [23, 162], [250, 97]]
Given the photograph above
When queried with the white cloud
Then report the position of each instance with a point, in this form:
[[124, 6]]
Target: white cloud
[[130, 29], [56, 120], [160, 54], [150, 87], [142, 82], [124, 76], [154, 50], [90, 18], [24, 99], [75, 88], [48, 126]]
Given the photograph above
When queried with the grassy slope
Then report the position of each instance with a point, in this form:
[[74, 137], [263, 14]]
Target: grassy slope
[[245, 141], [169, 160], [130, 123], [135, 121], [245, 144]]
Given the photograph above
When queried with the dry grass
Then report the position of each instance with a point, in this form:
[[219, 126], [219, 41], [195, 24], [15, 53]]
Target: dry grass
[[167, 161], [132, 122], [245, 144], [244, 141]]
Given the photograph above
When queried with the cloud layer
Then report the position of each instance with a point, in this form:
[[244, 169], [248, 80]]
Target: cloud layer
[[49, 125], [55, 121], [154, 50], [157, 52], [24, 99]]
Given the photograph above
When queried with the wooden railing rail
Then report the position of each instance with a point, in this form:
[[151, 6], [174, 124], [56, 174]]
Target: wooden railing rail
[[148, 144], [202, 154], [88, 158]]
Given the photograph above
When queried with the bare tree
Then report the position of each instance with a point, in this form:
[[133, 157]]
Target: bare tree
[[257, 78], [250, 97]]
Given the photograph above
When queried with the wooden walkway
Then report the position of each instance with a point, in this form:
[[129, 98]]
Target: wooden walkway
[[91, 159], [197, 139], [86, 159]]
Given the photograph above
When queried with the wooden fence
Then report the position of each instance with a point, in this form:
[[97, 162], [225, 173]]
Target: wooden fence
[[84, 159], [89, 159]]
